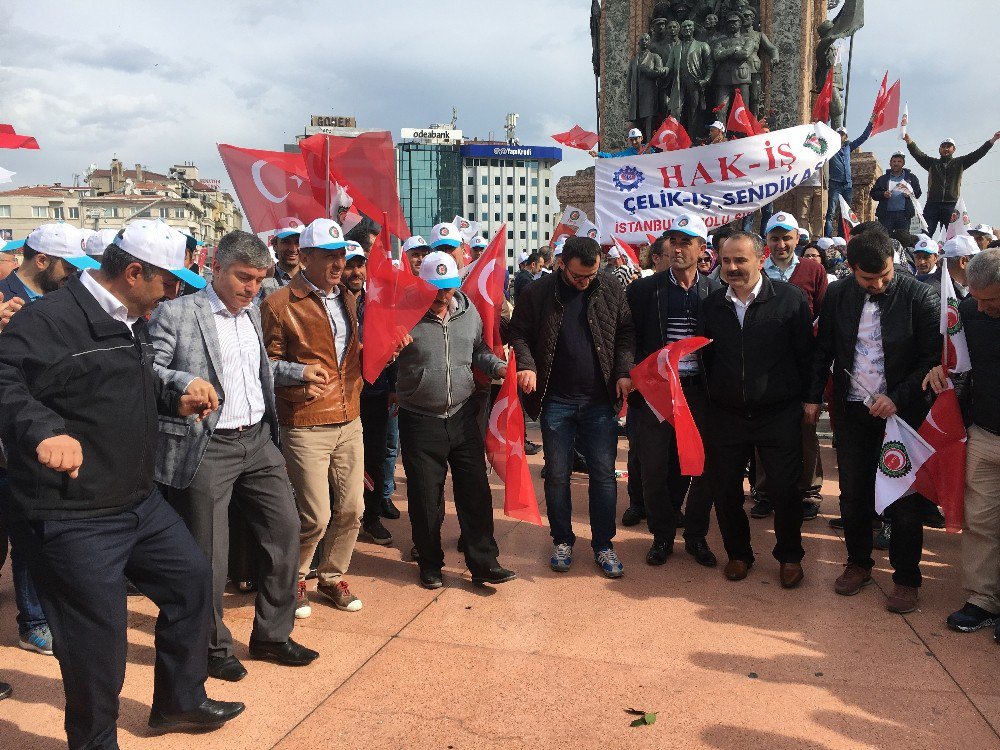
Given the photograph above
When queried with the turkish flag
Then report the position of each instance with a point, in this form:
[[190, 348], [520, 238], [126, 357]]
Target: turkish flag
[[942, 477], [272, 187], [670, 137], [740, 119], [483, 285], [886, 111], [629, 251], [577, 137], [657, 378], [505, 450], [395, 300], [821, 108], [366, 165], [10, 139]]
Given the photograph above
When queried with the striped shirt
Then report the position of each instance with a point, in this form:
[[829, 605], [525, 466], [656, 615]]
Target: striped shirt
[[240, 376], [682, 319]]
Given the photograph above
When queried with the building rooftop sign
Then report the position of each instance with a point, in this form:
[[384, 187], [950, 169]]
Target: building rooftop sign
[[442, 136], [504, 151]]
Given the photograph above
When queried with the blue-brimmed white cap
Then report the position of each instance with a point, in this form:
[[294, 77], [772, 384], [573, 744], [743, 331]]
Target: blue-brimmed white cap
[[440, 270], [324, 234], [98, 242], [354, 250], [11, 246], [414, 242], [691, 225], [982, 229], [927, 245], [478, 242], [160, 245], [60, 240], [959, 246], [782, 220], [445, 235]]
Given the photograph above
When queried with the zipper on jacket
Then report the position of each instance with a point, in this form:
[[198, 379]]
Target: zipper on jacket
[[548, 371], [447, 367]]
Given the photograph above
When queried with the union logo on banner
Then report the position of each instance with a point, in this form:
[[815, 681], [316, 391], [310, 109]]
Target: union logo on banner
[[628, 178], [895, 461], [954, 319], [574, 215], [816, 143]]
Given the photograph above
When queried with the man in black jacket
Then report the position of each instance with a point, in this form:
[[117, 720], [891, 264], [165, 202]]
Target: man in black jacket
[[573, 335], [892, 193], [666, 308], [879, 330], [80, 426], [757, 369]]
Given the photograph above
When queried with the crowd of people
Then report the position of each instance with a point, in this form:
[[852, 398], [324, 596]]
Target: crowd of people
[[169, 436]]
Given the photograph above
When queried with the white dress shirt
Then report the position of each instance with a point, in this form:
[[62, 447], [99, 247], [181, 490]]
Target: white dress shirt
[[337, 314], [108, 302], [869, 356], [741, 307], [240, 376]]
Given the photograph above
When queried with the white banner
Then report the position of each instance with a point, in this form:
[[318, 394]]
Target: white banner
[[636, 195]]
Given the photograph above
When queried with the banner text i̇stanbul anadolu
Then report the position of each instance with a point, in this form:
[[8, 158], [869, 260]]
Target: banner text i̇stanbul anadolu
[[640, 195]]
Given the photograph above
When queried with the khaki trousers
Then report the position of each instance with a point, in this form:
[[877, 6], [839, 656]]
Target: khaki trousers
[[326, 466], [981, 540]]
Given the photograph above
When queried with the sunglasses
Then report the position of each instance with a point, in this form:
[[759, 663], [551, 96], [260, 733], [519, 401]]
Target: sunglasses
[[705, 259]]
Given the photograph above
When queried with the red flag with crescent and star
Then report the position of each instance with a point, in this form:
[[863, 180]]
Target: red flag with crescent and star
[[10, 139], [577, 137], [483, 285], [505, 450], [886, 112], [942, 477], [629, 251], [670, 137], [821, 108], [657, 378], [740, 119]]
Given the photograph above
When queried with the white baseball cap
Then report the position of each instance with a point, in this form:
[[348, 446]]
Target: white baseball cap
[[445, 235], [718, 126], [926, 245], [982, 229], [960, 246], [691, 225], [440, 270], [478, 242], [898, 153], [614, 253], [324, 234], [160, 245], [842, 130], [62, 241], [354, 250], [414, 242], [949, 141], [839, 242], [98, 241], [635, 133], [558, 247], [522, 258], [803, 235], [825, 243], [782, 220]]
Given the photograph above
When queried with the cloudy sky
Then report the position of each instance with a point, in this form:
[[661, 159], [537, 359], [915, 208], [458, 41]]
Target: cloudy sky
[[160, 84]]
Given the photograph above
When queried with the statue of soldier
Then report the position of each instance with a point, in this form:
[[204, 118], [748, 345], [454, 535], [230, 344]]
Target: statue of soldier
[[666, 43], [732, 65], [693, 75], [710, 30], [644, 75], [758, 43], [826, 56]]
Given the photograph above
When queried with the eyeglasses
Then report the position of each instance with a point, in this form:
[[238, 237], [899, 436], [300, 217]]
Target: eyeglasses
[[814, 256], [582, 276]]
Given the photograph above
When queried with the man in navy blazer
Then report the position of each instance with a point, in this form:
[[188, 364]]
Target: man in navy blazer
[[211, 343]]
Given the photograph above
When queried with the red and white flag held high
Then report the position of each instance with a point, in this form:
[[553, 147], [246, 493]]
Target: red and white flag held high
[[887, 111], [569, 223], [821, 108], [955, 356], [484, 287], [740, 119], [904, 121], [670, 137], [577, 137], [883, 93], [942, 478], [10, 139], [959, 222], [904, 452], [629, 251], [505, 450], [657, 378]]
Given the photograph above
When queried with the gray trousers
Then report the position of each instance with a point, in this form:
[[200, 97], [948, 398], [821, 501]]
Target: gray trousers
[[252, 464]]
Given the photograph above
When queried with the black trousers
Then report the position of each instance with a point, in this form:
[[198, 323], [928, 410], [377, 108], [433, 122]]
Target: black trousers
[[374, 423], [776, 435], [859, 448], [430, 445], [663, 486], [79, 568], [937, 213]]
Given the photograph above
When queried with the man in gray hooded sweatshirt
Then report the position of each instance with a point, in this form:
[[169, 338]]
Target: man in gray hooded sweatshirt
[[438, 427]]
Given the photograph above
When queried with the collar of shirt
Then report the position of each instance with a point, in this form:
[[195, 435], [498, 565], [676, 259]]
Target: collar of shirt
[[108, 302], [775, 271], [32, 294], [218, 306], [753, 294], [319, 292]]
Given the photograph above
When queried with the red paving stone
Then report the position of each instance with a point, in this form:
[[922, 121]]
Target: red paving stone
[[555, 659]]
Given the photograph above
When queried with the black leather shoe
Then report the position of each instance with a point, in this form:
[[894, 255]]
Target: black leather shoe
[[389, 510], [659, 553], [494, 576], [289, 653], [580, 465], [633, 516], [378, 533], [209, 715], [761, 509], [700, 551], [5, 690], [226, 668], [810, 509], [531, 448], [837, 523], [431, 579]]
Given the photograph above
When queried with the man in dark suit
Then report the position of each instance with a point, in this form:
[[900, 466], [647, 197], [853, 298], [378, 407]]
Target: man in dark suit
[[757, 368], [879, 330], [210, 343]]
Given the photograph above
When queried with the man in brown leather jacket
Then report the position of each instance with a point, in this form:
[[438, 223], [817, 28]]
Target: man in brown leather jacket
[[313, 320]]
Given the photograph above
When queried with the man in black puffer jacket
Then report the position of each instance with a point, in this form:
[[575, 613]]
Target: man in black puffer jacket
[[573, 335]]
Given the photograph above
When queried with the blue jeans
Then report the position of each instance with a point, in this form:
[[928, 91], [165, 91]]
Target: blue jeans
[[391, 451], [593, 428], [836, 190], [29, 609]]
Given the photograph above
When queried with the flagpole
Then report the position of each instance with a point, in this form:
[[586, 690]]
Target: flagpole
[[847, 88], [326, 152]]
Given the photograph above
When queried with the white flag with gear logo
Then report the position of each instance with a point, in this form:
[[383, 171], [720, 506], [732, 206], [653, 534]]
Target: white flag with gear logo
[[904, 452]]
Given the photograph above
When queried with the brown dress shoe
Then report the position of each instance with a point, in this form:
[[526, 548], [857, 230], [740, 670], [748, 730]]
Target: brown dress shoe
[[791, 575], [902, 600], [737, 570], [852, 580]]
